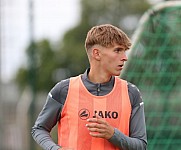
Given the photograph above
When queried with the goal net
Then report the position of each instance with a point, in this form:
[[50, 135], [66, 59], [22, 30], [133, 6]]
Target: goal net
[[154, 66]]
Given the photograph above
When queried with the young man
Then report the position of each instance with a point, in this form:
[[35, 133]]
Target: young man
[[96, 110]]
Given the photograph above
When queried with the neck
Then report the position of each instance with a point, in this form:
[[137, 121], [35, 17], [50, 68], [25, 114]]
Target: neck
[[96, 76]]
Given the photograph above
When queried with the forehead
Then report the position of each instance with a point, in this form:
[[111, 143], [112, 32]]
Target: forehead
[[112, 46], [118, 46]]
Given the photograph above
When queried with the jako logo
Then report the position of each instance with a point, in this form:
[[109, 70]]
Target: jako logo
[[106, 114], [84, 114]]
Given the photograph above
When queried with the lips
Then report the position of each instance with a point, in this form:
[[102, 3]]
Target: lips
[[120, 66]]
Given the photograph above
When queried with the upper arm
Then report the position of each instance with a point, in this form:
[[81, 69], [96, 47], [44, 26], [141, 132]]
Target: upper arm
[[137, 118], [134, 95], [50, 113], [60, 90]]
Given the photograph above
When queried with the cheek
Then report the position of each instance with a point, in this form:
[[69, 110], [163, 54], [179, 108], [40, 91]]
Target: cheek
[[110, 63], [113, 59], [109, 59]]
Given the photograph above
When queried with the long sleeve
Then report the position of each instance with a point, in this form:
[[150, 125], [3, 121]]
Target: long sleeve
[[49, 116], [46, 120], [137, 139]]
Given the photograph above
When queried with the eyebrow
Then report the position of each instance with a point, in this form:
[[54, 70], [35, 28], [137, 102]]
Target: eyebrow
[[119, 48]]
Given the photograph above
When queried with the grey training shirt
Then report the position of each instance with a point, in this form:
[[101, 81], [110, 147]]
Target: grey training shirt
[[51, 114]]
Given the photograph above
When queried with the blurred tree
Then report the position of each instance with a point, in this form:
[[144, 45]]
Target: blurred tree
[[105, 11], [46, 64], [70, 53]]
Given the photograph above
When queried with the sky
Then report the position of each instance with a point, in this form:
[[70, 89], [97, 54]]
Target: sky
[[52, 18]]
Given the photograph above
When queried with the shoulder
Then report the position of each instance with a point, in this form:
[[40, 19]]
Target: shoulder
[[134, 95], [59, 91]]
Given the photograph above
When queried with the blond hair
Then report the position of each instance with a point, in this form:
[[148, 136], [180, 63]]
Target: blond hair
[[106, 35]]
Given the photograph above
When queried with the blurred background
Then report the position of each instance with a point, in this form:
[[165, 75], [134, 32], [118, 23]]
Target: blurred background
[[42, 42]]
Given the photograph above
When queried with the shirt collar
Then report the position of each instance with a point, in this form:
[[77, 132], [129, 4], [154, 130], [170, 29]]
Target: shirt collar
[[85, 78]]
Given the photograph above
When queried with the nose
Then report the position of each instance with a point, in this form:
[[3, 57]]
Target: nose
[[124, 57]]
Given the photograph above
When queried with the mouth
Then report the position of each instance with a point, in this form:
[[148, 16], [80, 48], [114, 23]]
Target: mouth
[[120, 66]]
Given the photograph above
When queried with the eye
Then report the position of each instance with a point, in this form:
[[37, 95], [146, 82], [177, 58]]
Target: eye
[[118, 50]]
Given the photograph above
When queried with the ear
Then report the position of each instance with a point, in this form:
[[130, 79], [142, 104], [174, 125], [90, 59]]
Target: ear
[[96, 53]]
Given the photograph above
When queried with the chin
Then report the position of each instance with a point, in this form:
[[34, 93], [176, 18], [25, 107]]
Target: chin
[[117, 74]]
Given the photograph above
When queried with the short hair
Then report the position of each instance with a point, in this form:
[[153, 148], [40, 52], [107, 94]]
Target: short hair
[[106, 35]]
